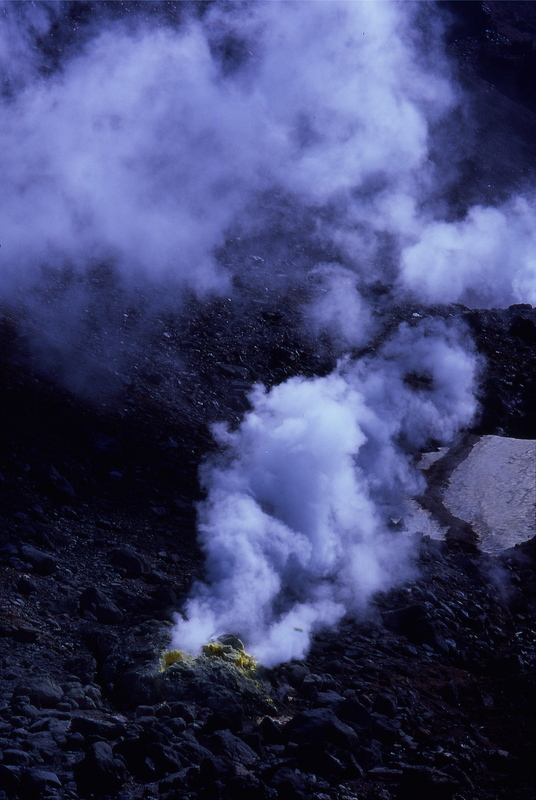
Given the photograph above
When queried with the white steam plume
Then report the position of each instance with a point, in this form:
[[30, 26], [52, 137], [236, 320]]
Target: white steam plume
[[295, 527], [306, 127], [148, 142], [488, 258]]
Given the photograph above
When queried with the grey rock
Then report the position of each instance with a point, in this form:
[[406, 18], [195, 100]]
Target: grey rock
[[327, 699], [296, 674], [100, 606], [271, 731], [352, 711], [384, 730], [36, 783], [190, 750], [16, 758], [88, 726], [385, 704], [225, 743], [320, 725], [42, 563], [9, 779], [128, 560], [422, 781], [83, 666], [26, 585], [58, 486], [98, 772], [42, 691]]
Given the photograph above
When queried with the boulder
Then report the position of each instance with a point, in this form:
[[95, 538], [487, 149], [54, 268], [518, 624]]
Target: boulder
[[42, 563], [320, 725], [42, 691], [100, 606], [37, 783], [98, 772], [129, 561]]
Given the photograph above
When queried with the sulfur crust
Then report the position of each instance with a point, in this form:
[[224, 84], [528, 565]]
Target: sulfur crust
[[237, 658], [170, 657]]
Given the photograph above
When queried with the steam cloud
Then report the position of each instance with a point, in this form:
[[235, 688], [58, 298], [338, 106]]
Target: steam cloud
[[295, 527], [152, 145]]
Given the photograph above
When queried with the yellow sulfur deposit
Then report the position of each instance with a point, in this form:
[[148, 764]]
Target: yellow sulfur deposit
[[231, 650], [171, 657], [228, 648]]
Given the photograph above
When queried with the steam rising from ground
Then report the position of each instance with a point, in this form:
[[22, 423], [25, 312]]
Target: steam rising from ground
[[158, 150], [295, 527]]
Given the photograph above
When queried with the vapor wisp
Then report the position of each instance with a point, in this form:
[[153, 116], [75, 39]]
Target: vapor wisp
[[296, 525], [150, 141], [161, 151]]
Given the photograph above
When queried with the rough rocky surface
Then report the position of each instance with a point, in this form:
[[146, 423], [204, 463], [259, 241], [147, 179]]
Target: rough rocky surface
[[485, 482], [494, 489], [431, 696]]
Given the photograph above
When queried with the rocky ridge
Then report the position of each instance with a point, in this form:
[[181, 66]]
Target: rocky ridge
[[430, 694]]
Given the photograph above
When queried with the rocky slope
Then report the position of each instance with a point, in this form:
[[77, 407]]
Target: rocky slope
[[429, 695]]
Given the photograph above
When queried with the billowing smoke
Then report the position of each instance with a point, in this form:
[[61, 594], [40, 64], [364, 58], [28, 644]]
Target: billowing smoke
[[150, 141], [148, 150], [296, 524]]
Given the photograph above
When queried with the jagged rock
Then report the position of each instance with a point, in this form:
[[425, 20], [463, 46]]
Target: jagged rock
[[17, 758], [320, 725], [224, 743], [214, 682], [217, 768], [231, 718], [42, 563], [100, 606], [9, 779], [147, 758], [384, 729], [290, 784], [352, 711], [296, 674], [385, 704], [327, 761], [190, 750], [88, 726], [128, 560], [422, 781], [43, 691], [271, 731], [55, 485], [37, 783], [84, 666], [98, 772], [136, 686], [26, 585]]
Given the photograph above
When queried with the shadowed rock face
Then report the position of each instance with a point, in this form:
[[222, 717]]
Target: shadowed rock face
[[444, 663]]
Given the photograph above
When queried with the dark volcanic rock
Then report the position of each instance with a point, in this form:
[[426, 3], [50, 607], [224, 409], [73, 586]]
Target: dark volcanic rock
[[320, 725], [42, 563], [98, 772], [42, 690], [435, 702], [225, 743], [213, 682], [132, 563], [421, 781], [38, 783], [94, 601]]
